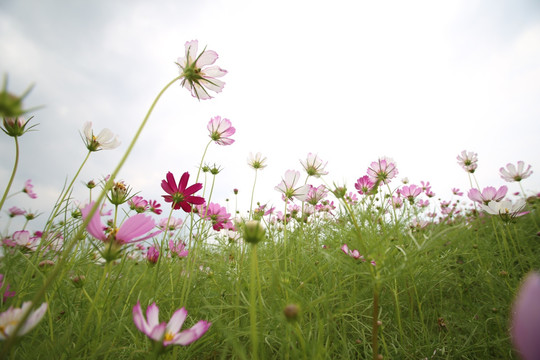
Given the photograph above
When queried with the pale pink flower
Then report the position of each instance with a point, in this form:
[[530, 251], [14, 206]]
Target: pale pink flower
[[364, 185], [174, 223], [468, 161], [488, 194], [15, 211], [525, 329], [316, 194], [288, 186], [457, 192], [22, 238], [197, 75], [28, 189], [396, 202], [511, 173], [11, 318], [314, 166], [256, 161], [422, 203], [221, 130], [178, 249], [410, 192], [138, 204], [167, 333], [215, 213], [417, 224], [382, 170]]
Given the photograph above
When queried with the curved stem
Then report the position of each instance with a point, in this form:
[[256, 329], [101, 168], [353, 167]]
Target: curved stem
[[252, 194], [79, 234], [12, 173]]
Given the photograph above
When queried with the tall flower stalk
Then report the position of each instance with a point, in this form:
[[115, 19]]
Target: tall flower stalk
[[15, 165]]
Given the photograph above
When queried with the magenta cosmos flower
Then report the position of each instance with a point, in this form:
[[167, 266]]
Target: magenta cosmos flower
[[216, 214], [468, 161], [167, 333], [488, 194], [382, 170], [513, 173], [288, 186], [221, 130], [197, 75], [180, 195], [28, 189], [525, 329], [364, 185]]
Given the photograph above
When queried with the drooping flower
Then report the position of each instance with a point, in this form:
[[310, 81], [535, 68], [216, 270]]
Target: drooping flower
[[314, 166], [11, 318], [15, 211], [134, 229], [468, 161], [511, 173], [505, 209], [138, 204], [178, 249], [179, 195], [364, 185], [256, 161], [221, 130], [488, 194], [105, 140], [288, 186], [167, 333], [525, 329], [382, 170], [216, 214], [28, 189], [197, 75]]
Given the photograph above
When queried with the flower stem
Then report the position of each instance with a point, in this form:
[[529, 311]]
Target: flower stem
[[252, 194], [253, 305], [12, 173]]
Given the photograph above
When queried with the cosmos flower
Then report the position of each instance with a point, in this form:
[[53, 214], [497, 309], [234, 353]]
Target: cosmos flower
[[197, 75], [468, 161], [525, 330], [364, 185], [221, 130], [174, 223], [105, 140], [178, 249], [410, 192], [256, 161], [316, 194], [488, 194], [152, 255], [180, 195], [382, 170], [138, 204], [217, 215], [28, 189], [314, 166], [505, 209], [288, 186], [23, 239], [11, 318], [15, 211], [511, 173], [7, 293], [167, 333]]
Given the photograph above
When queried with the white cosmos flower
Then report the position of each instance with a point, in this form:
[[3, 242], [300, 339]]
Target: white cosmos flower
[[256, 161], [11, 318], [105, 140], [505, 208]]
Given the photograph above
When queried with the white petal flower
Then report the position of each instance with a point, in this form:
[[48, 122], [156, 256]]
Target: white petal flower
[[105, 140], [11, 318]]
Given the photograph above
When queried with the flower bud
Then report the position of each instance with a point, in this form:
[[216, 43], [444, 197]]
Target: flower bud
[[253, 232], [291, 312], [119, 193], [14, 126]]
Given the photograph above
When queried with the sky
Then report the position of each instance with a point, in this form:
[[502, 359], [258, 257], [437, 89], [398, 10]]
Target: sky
[[417, 81]]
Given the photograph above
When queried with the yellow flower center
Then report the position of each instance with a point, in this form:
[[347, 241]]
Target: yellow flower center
[[168, 336]]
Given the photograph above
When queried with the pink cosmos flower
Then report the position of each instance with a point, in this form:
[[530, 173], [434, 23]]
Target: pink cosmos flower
[[288, 186], [152, 255], [316, 194], [216, 214], [410, 192], [28, 189], [511, 173], [11, 318], [456, 192], [422, 203], [22, 238], [352, 253], [131, 231], [468, 161], [15, 211], [396, 202], [178, 249], [167, 333], [221, 130], [382, 170], [197, 75], [314, 166], [7, 293], [364, 185], [138, 204], [488, 194], [155, 207], [525, 330], [174, 224], [179, 195]]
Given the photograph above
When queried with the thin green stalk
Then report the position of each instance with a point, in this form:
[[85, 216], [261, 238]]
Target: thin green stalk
[[12, 173], [252, 195], [253, 304], [79, 234]]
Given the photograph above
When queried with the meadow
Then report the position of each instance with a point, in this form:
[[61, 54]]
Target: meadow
[[375, 269]]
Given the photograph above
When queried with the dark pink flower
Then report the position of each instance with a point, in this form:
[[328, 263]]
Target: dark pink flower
[[152, 255], [180, 195], [178, 249], [216, 214], [28, 189], [364, 185], [7, 293], [155, 207], [221, 130]]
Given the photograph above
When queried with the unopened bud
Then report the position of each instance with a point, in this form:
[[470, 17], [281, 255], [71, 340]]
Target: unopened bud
[[291, 312], [253, 232]]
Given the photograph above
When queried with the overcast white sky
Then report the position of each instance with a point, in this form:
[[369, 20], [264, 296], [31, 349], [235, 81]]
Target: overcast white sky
[[418, 81]]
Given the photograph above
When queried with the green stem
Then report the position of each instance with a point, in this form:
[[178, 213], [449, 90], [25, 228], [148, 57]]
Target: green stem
[[253, 305], [252, 194], [12, 173], [79, 234]]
